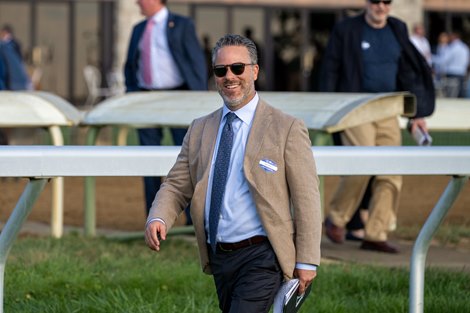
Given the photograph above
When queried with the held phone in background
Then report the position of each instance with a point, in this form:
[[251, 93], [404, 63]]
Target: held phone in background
[[422, 137]]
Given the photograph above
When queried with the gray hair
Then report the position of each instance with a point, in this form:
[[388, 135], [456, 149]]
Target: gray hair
[[236, 40]]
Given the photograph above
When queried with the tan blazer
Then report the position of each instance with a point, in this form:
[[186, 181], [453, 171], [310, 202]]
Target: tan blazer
[[287, 200]]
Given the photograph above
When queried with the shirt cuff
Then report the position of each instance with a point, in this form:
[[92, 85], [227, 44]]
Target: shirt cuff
[[154, 220], [304, 266]]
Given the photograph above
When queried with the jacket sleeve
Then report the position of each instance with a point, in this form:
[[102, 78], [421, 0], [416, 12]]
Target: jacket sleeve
[[176, 191], [414, 74], [302, 178], [2, 70], [418, 82], [130, 70]]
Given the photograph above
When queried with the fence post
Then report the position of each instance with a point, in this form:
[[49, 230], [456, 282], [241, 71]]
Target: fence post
[[57, 215], [15, 221], [421, 246], [89, 192]]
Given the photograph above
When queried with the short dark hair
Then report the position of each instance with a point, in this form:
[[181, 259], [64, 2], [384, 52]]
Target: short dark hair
[[7, 28], [236, 40]]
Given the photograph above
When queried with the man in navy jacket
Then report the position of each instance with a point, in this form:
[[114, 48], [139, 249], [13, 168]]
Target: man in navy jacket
[[370, 53], [177, 62], [2, 74], [182, 43], [15, 75]]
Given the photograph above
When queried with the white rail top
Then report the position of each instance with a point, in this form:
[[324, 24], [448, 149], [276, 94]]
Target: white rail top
[[51, 161], [322, 111], [35, 109]]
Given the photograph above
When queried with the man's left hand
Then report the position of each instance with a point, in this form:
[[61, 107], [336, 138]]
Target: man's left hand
[[305, 277], [418, 122]]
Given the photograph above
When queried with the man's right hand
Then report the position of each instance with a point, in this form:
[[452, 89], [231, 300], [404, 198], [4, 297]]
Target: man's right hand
[[154, 233]]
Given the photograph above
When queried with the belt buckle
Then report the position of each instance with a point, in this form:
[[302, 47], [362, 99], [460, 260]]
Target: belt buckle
[[224, 250]]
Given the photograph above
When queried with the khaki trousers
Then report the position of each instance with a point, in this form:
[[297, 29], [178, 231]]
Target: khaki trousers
[[385, 189]]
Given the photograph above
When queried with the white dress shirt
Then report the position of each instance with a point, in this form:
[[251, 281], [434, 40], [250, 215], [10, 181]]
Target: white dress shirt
[[422, 44], [165, 72]]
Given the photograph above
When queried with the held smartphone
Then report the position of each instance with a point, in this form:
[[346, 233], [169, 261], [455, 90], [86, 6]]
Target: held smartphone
[[421, 136]]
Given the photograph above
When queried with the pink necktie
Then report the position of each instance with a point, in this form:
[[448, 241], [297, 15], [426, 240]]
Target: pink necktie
[[146, 53]]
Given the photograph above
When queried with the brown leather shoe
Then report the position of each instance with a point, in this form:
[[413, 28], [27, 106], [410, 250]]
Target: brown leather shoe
[[333, 232], [379, 246]]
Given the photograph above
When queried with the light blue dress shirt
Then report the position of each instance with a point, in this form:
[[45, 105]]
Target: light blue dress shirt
[[238, 218], [456, 58]]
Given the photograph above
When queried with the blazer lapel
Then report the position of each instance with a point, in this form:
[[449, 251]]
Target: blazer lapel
[[261, 122], [209, 137], [139, 32], [170, 28]]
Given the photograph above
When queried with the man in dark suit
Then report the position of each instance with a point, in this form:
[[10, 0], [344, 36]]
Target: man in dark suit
[[2, 74], [3, 137], [15, 74], [250, 175], [6, 35], [164, 54]]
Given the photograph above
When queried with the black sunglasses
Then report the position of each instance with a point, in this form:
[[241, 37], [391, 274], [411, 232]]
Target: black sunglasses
[[386, 2], [236, 68]]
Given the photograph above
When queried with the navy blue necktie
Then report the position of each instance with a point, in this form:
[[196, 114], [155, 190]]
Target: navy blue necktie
[[219, 178]]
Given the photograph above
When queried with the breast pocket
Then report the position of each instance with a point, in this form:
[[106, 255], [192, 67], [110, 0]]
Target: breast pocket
[[267, 169]]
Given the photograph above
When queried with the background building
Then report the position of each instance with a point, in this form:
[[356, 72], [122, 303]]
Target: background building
[[60, 37]]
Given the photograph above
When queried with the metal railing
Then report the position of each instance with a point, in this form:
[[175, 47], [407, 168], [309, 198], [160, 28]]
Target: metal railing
[[40, 163]]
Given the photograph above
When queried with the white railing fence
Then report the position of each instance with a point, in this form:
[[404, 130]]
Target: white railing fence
[[40, 163]]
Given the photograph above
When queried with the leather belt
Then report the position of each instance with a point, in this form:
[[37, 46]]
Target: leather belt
[[222, 247]]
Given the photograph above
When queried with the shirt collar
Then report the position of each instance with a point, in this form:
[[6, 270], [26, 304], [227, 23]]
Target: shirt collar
[[160, 16], [247, 112]]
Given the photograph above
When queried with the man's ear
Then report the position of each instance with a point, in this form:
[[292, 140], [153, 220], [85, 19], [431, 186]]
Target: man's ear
[[255, 71]]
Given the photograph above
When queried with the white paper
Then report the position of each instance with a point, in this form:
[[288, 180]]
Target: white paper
[[284, 294]]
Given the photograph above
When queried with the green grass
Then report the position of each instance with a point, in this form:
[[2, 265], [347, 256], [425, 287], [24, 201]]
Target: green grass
[[76, 274], [445, 235], [440, 138]]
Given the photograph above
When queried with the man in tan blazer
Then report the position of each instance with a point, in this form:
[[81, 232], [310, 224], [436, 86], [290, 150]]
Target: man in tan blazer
[[265, 204]]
